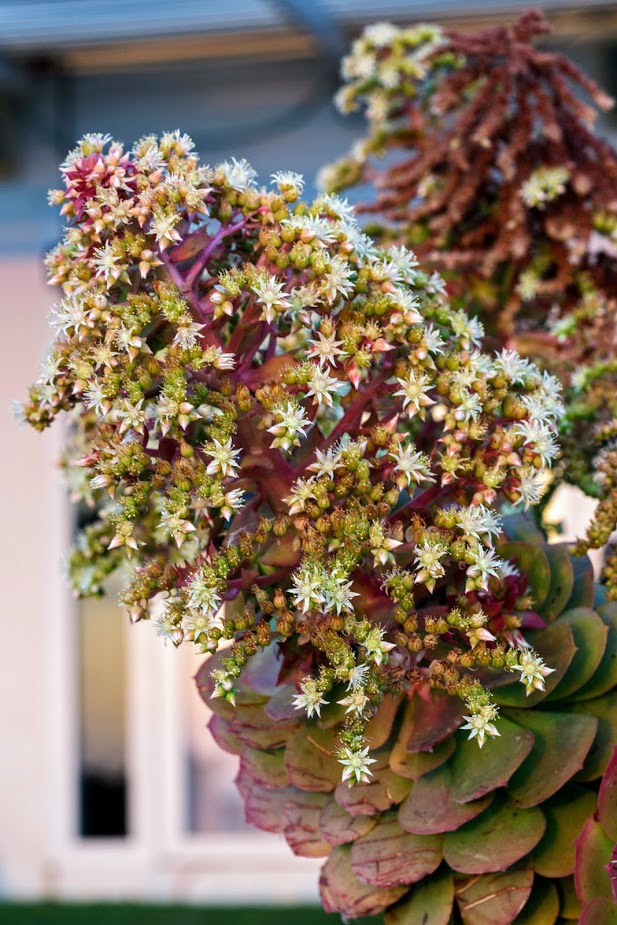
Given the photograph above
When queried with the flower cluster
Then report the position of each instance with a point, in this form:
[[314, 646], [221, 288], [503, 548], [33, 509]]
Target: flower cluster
[[288, 435]]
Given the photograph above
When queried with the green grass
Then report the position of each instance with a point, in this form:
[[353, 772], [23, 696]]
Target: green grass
[[111, 914]]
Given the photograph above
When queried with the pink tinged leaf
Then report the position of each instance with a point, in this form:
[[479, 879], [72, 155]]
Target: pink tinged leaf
[[473, 777], [384, 790], [343, 892], [255, 728], [611, 869], [433, 720], [500, 837], [338, 827], [593, 853], [281, 705], [562, 741], [566, 814], [428, 903], [300, 825], [378, 729], [413, 766], [388, 856], [220, 729], [262, 672], [265, 768], [494, 899], [600, 911], [310, 761], [607, 799], [264, 808], [431, 808]]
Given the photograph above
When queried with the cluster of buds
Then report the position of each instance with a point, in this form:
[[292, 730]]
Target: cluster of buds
[[288, 436]]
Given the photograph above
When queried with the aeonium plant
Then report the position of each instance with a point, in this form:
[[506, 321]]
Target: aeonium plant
[[291, 441]]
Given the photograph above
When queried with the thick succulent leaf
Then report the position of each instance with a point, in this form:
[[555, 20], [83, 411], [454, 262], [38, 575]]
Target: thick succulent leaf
[[414, 765], [300, 824], [431, 808], [205, 687], [388, 856], [566, 814], [542, 907], [604, 677], [495, 840], [556, 646], [433, 720], [569, 905], [266, 769], [310, 761], [474, 775], [605, 710], [378, 729], [220, 730], [342, 891], [262, 672], [589, 632], [533, 563], [264, 808], [384, 790], [607, 799], [252, 725], [428, 903], [611, 869], [521, 528], [593, 852], [583, 592], [561, 580], [601, 911], [339, 827], [562, 741], [281, 706], [494, 899]]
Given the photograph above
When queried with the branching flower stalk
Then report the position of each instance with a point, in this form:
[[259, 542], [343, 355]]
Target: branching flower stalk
[[496, 177], [289, 437]]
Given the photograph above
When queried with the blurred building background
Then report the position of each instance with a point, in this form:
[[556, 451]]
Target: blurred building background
[[110, 786]]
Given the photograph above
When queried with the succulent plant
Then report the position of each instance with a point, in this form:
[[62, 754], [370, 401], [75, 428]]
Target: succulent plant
[[442, 833]]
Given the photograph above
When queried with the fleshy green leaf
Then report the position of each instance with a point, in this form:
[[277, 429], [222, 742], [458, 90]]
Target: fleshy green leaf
[[605, 710], [431, 808], [604, 677], [264, 808], [474, 775], [589, 632], [266, 769], [583, 590], [500, 837], [220, 730], [339, 827], [378, 729], [433, 720], [310, 761], [414, 765], [593, 853], [521, 528], [562, 743], [385, 789], [607, 799], [343, 892], [556, 646], [252, 725], [281, 706], [542, 907], [494, 899], [601, 911], [428, 903], [388, 856], [569, 905], [533, 563], [300, 824], [566, 814], [561, 580]]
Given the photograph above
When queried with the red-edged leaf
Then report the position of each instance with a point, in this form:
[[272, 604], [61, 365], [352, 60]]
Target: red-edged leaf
[[428, 903], [252, 725], [496, 840], [473, 775], [378, 729], [266, 769], [385, 789], [433, 720], [220, 729], [431, 808], [264, 808], [542, 907], [494, 899], [556, 646], [566, 814], [414, 765], [300, 825], [611, 869], [388, 856], [310, 761], [607, 799], [280, 705], [593, 852], [339, 827], [562, 741], [601, 911], [343, 892]]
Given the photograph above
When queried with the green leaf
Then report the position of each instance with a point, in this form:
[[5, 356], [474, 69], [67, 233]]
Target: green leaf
[[300, 824], [264, 808], [522, 528], [265, 768], [388, 856], [593, 853], [562, 741], [384, 789], [342, 891], [566, 814], [431, 808], [378, 729], [414, 765], [556, 646], [533, 563], [310, 761], [494, 899], [569, 905], [339, 827], [220, 730], [429, 903], [600, 911], [607, 799], [433, 720], [542, 907], [605, 710], [252, 725], [474, 775], [583, 590], [500, 837], [589, 632], [561, 580], [604, 678]]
